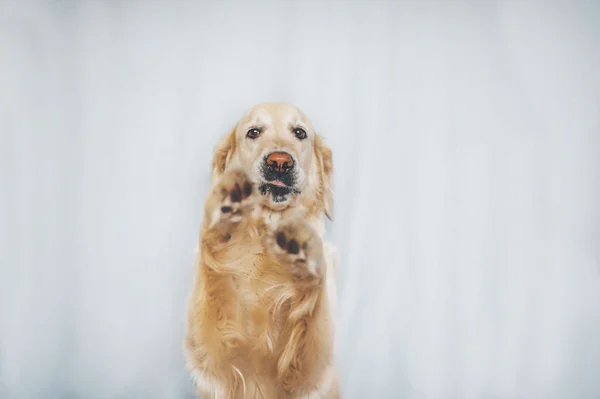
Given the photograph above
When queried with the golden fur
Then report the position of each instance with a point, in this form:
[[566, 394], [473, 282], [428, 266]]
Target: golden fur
[[260, 314]]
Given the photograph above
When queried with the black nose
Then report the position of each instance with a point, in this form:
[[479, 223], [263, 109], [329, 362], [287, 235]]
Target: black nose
[[280, 162]]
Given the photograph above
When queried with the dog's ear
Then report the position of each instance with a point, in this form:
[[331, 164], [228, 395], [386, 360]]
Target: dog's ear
[[223, 153], [325, 160]]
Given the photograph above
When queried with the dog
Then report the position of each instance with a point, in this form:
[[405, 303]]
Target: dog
[[261, 312]]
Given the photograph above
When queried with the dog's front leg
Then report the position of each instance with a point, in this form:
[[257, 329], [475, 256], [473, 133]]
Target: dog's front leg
[[305, 363], [227, 207], [214, 337]]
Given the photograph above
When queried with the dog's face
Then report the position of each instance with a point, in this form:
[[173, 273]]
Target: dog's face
[[277, 145]]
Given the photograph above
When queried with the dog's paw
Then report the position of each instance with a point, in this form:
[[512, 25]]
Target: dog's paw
[[295, 244], [233, 198]]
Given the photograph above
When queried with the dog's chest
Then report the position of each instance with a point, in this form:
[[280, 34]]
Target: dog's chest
[[253, 290], [248, 282]]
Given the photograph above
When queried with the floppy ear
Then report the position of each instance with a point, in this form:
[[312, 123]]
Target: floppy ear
[[325, 160], [223, 153]]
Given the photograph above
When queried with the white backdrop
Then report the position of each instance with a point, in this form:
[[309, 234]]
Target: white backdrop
[[466, 139]]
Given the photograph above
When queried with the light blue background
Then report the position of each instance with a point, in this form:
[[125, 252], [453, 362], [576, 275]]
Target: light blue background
[[466, 137]]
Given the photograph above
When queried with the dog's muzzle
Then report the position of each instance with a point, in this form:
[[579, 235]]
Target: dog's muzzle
[[279, 175]]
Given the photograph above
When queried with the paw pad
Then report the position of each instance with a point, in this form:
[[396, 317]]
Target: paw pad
[[292, 246], [295, 244], [233, 199], [281, 239], [247, 189], [236, 193]]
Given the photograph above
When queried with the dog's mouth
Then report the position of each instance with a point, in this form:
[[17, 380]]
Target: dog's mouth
[[278, 190]]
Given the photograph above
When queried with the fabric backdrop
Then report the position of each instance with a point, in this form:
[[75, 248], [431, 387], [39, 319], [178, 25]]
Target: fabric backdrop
[[466, 139]]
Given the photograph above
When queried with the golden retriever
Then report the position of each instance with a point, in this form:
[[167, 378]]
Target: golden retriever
[[260, 317]]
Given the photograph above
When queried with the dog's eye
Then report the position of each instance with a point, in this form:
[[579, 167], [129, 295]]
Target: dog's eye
[[300, 133], [253, 133]]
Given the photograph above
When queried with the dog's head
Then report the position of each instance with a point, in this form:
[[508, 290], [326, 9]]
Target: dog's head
[[277, 145]]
